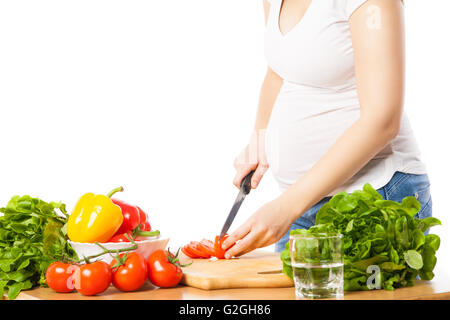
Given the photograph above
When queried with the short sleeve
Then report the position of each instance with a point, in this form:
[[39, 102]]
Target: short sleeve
[[352, 5]]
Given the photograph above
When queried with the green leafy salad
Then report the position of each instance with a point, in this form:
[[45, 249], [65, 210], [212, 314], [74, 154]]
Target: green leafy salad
[[376, 232], [32, 236]]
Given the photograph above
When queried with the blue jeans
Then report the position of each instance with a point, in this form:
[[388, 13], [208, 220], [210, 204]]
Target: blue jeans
[[401, 185]]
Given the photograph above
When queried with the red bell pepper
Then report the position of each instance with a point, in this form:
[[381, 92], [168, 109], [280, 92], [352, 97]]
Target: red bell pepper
[[145, 224], [131, 216], [135, 223]]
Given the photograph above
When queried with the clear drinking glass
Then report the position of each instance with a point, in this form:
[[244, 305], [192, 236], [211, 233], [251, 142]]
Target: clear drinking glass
[[317, 265]]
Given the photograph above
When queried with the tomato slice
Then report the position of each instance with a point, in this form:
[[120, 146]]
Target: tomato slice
[[207, 246], [189, 253], [194, 246], [218, 251]]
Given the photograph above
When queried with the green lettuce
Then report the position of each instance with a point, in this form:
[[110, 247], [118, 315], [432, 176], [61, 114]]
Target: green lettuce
[[380, 233], [32, 236]]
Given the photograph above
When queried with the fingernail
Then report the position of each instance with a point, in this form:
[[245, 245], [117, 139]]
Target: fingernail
[[227, 256]]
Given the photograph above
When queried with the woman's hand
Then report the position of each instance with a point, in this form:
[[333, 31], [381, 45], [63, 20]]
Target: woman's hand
[[253, 157], [265, 227]]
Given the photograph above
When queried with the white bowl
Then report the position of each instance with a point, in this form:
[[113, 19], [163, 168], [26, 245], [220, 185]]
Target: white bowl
[[145, 247]]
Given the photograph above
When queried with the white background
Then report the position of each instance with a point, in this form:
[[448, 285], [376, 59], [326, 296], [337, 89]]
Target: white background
[[160, 96]]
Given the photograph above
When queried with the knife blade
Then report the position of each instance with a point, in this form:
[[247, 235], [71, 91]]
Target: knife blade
[[243, 191]]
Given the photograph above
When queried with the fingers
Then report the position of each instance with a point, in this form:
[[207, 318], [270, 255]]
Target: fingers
[[253, 157], [241, 232], [243, 168], [247, 244], [245, 162], [260, 171], [240, 174]]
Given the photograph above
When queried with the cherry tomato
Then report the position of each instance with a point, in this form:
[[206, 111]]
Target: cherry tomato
[[132, 274], [121, 237], [163, 269], [59, 277], [92, 278], [131, 216]]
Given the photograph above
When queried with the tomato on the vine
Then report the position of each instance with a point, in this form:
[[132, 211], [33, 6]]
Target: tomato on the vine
[[129, 271], [164, 269], [59, 277], [92, 278]]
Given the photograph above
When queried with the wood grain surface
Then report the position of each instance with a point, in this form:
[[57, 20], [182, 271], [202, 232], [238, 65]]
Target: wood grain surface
[[253, 270]]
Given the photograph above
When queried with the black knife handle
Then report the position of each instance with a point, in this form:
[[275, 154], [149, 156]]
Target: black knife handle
[[246, 182]]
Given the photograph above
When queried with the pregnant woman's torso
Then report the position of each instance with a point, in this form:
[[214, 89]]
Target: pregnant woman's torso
[[318, 100]]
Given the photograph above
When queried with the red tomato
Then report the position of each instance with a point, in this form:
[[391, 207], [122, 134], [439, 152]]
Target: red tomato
[[92, 278], [189, 253], [59, 277], [163, 269], [121, 237], [132, 274], [218, 251], [131, 217]]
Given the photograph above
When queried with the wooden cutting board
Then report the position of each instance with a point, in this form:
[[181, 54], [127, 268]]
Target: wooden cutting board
[[253, 270]]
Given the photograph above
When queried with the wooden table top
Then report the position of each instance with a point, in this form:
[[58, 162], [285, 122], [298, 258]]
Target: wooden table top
[[438, 288]]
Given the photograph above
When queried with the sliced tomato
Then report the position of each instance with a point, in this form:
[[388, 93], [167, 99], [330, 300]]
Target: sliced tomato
[[185, 252], [189, 253], [194, 246], [218, 251], [207, 242], [207, 246]]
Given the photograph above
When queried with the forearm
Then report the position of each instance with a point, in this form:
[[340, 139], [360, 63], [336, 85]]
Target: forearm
[[359, 143], [269, 91]]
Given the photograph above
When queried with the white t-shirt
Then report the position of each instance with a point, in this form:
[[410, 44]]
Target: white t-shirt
[[318, 100]]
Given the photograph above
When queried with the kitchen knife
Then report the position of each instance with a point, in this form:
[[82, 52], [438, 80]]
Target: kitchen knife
[[243, 191]]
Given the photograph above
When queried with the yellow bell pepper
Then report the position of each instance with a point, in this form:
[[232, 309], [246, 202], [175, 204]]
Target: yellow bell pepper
[[94, 218]]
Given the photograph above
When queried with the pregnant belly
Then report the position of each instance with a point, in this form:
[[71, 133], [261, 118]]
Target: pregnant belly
[[299, 135]]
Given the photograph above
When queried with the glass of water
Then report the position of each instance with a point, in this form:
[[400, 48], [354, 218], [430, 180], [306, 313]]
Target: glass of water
[[317, 265]]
